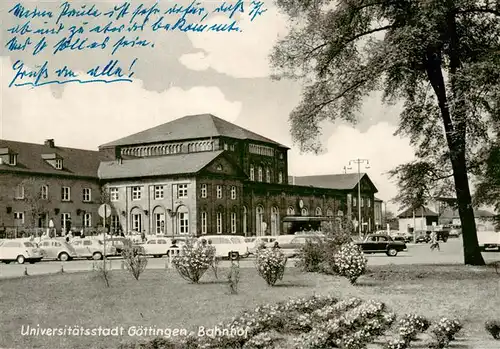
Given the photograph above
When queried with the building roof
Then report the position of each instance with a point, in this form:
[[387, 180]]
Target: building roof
[[419, 212], [378, 199], [190, 127], [76, 162], [344, 181], [152, 166]]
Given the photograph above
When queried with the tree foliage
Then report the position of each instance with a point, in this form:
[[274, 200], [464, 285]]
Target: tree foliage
[[440, 58]]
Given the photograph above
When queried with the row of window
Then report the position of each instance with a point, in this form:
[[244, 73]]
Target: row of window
[[155, 150], [260, 175], [261, 150], [44, 193], [219, 191], [182, 192], [65, 217], [219, 222], [368, 202]]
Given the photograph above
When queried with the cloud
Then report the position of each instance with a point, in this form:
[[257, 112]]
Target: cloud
[[93, 114], [383, 150], [238, 54]]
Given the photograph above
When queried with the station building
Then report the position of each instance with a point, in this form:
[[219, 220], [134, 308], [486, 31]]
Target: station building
[[195, 175]]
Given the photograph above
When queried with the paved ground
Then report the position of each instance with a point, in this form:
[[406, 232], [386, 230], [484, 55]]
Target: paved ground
[[451, 253]]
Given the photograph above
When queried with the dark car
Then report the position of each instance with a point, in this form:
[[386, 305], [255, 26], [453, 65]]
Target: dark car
[[121, 243], [423, 239], [378, 243]]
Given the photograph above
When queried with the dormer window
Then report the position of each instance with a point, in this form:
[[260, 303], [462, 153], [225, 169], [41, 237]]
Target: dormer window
[[53, 160], [13, 159]]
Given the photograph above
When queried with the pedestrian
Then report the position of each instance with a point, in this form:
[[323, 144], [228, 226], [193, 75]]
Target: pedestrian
[[434, 241]]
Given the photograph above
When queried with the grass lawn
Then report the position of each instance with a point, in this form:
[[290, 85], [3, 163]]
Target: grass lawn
[[163, 299]]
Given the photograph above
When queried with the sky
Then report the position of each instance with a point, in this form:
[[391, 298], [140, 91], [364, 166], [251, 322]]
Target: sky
[[226, 74]]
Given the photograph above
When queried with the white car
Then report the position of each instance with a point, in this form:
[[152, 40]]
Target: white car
[[253, 242], [20, 251], [489, 240], [157, 247], [230, 246], [92, 248]]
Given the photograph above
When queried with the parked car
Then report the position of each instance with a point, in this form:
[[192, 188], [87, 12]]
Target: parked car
[[120, 243], [57, 249], [379, 243], [230, 246], [92, 248], [489, 240], [19, 251], [290, 245], [422, 238], [253, 242], [455, 232], [157, 247]]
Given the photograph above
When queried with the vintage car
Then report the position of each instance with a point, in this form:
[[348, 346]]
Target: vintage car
[[291, 245], [230, 246], [379, 243], [20, 251], [57, 249]]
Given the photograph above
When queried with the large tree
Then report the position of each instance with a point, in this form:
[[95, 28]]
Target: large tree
[[439, 57]]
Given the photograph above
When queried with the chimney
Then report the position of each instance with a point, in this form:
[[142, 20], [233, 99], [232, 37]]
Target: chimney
[[49, 143]]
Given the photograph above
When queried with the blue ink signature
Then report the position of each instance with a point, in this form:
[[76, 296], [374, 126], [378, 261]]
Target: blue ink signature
[[231, 8], [41, 75]]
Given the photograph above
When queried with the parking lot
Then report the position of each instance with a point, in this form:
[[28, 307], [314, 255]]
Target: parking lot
[[451, 253]]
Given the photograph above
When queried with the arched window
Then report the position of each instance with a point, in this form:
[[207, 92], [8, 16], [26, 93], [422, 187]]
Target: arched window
[[290, 211], [252, 173], [318, 211], [268, 175], [245, 220], [275, 221], [329, 212], [280, 178], [259, 221], [219, 222], [183, 220], [304, 212], [260, 174]]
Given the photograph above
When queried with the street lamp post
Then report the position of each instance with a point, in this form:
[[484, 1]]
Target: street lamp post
[[359, 162]]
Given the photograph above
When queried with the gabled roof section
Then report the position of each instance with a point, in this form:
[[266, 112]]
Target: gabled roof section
[[77, 162], [343, 181], [419, 212], [190, 127], [157, 166]]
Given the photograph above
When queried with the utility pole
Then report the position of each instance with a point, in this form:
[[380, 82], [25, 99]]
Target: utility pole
[[359, 162]]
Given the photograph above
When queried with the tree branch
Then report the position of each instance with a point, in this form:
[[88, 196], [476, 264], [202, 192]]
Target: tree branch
[[347, 42], [320, 106], [479, 10]]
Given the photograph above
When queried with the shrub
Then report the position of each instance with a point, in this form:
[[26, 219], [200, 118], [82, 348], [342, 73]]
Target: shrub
[[410, 325], [398, 343], [493, 327], [195, 259], [134, 262], [270, 264], [233, 277], [444, 332], [102, 270], [310, 257], [350, 262]]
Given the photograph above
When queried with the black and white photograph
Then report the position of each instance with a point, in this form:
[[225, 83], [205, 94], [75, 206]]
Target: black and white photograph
[[250, 174]]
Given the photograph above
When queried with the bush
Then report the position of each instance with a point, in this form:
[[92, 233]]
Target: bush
[[310, 257], [493, 327], [134, 262], [233, 278], [270, 264], [350, 262], [444, 332], [410, 325], [195, 259]]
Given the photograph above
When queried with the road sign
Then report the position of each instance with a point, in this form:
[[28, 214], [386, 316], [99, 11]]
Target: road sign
[[104, 211]]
